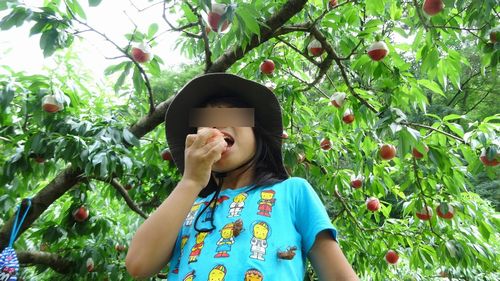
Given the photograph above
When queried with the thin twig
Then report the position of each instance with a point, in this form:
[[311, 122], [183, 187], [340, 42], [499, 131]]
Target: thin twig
[[481, 100], [462, 86], [125, 52], [422, 194], [411, 124], [123, 192], [420, 15], [181, 28], [305, 82], [298, 51], [145, 8], [204, 36], [353, 50], [329, 49]]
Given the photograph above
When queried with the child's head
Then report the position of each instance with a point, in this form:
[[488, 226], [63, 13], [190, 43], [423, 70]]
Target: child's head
[[260, 145], [250, 141]]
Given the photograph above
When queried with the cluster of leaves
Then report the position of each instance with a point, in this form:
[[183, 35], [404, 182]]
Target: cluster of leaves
[[98, 145]]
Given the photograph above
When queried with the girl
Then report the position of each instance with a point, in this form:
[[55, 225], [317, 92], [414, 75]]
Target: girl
[[229, 157]]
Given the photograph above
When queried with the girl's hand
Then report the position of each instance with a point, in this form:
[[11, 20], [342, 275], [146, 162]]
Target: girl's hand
[[202, 151]]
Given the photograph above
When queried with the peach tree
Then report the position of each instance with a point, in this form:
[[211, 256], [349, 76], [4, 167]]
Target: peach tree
[[403, 92]]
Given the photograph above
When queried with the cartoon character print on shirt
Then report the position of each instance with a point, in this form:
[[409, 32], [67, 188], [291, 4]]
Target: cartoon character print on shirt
[[198, 246], [189, 277], [226, 241], [237, 205], [253, 275], [191, 215], [259, 240], [184, 240], [208, 212], [218, 273], [266, 202]]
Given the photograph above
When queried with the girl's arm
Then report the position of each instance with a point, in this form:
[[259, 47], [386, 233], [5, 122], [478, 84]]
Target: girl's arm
[[152, 245], [328, 260]]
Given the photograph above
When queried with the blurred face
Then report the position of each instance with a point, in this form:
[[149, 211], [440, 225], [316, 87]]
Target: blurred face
[[240, 151]]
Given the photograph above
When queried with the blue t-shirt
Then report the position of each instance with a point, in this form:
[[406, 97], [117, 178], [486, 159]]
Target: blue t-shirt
[[255, 233]]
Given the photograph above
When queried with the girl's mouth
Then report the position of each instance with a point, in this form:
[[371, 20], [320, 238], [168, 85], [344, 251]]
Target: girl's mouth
[[228, 140]]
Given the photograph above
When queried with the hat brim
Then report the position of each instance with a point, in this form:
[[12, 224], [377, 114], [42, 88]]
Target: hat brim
[[266, 107]]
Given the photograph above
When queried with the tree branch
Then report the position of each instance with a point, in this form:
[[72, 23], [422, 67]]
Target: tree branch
[[304, 54], [123, 192], [54, 261], [303, 27], [353, 50], [420, 15], [462, 86], [411, 124], [305, 82], [481, 100], [139, 67], [42, 200], [204, 36], [69, 177], [422, 196], [333, 56], [289, 9], [181, 28], [145, 8]]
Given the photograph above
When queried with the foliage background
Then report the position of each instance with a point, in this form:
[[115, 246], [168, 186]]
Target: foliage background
[[436, 87]]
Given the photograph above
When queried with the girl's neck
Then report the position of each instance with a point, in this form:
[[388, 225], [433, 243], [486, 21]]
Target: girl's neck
[[234, 180]]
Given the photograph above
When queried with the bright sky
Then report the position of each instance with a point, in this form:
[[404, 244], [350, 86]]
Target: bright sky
[[113, 18]]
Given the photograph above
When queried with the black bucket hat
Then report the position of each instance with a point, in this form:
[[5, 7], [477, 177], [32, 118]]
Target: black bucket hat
[[267, 112]]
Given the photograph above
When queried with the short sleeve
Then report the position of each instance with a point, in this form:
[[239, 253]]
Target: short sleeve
[[310, 214]]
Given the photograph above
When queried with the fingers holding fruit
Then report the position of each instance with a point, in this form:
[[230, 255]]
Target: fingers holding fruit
[[202, 151]]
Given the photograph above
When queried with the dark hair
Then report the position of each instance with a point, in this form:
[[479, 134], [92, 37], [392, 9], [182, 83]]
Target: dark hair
[[267, 166]]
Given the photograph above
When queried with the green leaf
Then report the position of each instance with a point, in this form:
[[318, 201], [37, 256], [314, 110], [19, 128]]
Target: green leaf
[[6, 97], [103, 171], [455, 128], [190, 16], [138, 81], [372, 26], [431, 85], [114, 68], [375, 7], [153, 28], [76, 8], [130, 138], [94, 3], [15, 18], [250, 21], [154, 67], [452, 117], [386, 210], [98, 158], [48, 42], [452, 250], [39, 27], [122, 77]]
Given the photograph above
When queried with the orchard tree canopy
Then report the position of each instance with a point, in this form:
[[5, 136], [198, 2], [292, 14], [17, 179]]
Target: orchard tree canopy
[[390, 111]]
